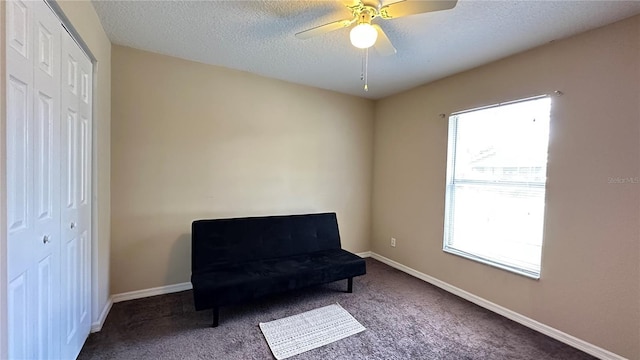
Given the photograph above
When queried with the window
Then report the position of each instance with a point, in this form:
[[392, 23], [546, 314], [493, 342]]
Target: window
[[496, 175]]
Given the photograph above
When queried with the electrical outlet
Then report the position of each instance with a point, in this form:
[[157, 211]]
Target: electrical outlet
[[393, 242]]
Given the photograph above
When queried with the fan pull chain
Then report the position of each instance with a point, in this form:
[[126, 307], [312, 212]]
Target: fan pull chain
[[365, 70], [362, 66]]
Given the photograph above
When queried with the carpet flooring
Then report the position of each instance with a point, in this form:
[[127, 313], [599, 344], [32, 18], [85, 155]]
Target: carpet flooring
[[405, 318]]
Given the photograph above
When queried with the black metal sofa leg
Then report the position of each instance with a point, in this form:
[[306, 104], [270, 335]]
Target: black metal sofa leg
[[216, 316], [350, 285]]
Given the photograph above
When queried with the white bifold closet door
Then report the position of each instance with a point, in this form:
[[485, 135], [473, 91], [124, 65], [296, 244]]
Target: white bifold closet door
[[48, 176]]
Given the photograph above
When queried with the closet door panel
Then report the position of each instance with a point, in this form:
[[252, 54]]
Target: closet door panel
[[46, 311], [33, 210], [22, 280], [18, 164], [19, 334], [19, 26], [46, 179], [70, 294], [76, 200]]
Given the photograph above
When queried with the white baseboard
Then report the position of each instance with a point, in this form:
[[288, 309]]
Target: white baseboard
[[97, 326], [132, 295], [509, 314], [160, 290]]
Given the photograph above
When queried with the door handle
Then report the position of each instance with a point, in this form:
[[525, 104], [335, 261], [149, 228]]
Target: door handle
[[45, 239], [72, 226]]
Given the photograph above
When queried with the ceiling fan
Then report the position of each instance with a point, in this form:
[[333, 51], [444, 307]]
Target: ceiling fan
[[365, 34]]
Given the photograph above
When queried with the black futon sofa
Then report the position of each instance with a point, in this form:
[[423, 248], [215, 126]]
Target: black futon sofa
[[236, 260]]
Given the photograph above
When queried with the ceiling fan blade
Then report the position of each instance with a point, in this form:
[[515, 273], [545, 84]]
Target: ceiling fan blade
[[350, 3], [383, 45], [407, 7], [323, 29]]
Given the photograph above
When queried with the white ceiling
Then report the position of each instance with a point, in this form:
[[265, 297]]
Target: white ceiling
[[258, 36]]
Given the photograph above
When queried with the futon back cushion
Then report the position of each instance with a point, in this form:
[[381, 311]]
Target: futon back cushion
[[222, 242]]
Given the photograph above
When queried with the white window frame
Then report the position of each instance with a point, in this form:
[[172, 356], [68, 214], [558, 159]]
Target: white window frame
[[449, 200]]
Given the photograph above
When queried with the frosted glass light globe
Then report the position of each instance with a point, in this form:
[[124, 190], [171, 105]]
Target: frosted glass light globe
[[363, 36]]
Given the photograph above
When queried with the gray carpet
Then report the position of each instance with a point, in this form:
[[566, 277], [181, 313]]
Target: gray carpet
[[405, 318]]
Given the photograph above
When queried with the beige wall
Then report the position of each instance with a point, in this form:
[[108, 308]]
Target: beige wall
[[85, 20], [590, 285], [195, 141]]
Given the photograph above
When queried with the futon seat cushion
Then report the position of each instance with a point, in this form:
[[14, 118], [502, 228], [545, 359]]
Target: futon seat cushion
[[229, 284]]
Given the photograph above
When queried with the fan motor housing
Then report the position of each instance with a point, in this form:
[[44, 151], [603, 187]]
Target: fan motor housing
[[365, 9]]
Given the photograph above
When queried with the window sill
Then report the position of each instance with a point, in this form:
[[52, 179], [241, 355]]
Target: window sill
[[526, 273]]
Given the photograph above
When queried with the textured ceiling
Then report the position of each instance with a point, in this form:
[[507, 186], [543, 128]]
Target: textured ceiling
[[258, 37]]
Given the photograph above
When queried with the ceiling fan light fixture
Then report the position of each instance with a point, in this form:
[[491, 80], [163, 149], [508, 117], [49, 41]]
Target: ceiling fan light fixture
[[363, 36]]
